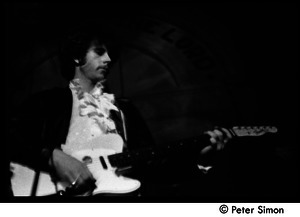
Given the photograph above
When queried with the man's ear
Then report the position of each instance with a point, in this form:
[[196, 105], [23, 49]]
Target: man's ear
[[76, 61], [79, 61]]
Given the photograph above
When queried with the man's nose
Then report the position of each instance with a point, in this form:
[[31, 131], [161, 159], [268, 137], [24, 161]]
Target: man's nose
[[106, 58]]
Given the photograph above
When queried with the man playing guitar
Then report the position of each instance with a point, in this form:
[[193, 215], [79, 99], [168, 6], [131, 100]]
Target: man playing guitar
[[74, 130]]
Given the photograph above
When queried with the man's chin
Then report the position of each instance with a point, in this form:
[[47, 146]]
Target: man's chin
[[101, 80]]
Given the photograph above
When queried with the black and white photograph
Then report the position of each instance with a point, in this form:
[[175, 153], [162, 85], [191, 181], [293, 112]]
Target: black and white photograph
[[167, 101]]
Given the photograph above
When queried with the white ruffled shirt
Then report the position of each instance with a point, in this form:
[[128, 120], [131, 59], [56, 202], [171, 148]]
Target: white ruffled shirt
[[90, 117]]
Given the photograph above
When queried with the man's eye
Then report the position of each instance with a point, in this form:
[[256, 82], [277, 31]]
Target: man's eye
[[100, 51]]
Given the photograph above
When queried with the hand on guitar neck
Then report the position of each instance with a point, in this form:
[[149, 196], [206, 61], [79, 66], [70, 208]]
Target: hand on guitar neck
[[218, 138]]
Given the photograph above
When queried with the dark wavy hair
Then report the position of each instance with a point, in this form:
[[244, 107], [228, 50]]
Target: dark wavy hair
[[76, 43]]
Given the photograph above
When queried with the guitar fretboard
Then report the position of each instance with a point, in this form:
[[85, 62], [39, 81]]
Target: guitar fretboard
[[127, 159]]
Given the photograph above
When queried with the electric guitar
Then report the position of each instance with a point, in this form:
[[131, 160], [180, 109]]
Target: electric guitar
[[106, 165]]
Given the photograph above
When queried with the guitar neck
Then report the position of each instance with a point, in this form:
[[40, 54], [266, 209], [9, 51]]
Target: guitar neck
[[127, 159], [194, 145]]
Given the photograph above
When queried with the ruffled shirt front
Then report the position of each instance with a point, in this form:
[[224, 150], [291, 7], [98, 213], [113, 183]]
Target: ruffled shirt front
[[90, 121]]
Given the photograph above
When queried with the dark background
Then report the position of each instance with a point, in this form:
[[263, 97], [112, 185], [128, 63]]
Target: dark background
[[243, 72]]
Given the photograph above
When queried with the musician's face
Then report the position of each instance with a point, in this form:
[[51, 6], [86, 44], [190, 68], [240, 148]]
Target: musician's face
[[95, 67]]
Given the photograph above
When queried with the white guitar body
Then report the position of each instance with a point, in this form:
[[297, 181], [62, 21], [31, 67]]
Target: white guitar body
[[106, 179]]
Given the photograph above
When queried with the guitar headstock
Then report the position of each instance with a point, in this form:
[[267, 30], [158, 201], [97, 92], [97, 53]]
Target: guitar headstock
[[253, 130]]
